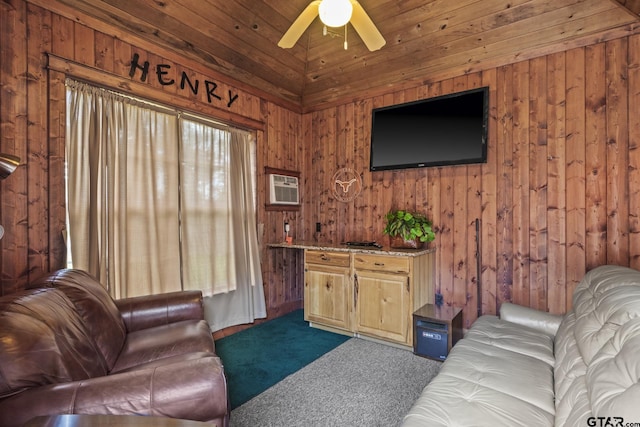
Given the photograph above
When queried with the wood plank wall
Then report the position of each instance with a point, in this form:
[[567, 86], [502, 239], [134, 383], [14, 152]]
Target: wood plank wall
[[32, 208], [558, 195]]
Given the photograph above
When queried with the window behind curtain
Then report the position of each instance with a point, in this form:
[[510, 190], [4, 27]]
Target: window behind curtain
[[152, 201], [209, 213]]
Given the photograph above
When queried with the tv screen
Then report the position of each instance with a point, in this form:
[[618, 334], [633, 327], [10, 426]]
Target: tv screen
[[446, 130]]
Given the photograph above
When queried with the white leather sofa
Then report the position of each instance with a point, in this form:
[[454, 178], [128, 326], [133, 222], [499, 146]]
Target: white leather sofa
[[529, 368]]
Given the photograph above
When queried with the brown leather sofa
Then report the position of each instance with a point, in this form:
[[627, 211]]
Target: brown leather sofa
[[67, 348]]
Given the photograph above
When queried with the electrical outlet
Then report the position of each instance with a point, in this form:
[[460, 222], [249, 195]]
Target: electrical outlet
[[318, 227], [439, 300]]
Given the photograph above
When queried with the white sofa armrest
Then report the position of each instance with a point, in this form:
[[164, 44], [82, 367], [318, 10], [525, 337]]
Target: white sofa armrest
[[536, 319]]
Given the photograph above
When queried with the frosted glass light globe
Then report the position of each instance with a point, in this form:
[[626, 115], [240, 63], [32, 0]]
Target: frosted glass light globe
[[335, 13]]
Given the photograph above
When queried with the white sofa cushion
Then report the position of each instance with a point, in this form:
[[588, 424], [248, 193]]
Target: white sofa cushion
[[530, 317], [574, 409], [510, 336], [607, 297], [569, 365], [451, 401], [511, 374], [614, 375], [500, 374], [597, 371]]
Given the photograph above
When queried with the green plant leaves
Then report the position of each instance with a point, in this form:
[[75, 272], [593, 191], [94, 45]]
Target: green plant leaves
[[409, 225]]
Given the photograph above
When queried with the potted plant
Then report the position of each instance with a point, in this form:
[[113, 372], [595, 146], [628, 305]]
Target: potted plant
[[408, 229]]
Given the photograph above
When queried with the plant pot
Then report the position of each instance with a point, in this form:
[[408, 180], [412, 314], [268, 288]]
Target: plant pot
[[398, 242]]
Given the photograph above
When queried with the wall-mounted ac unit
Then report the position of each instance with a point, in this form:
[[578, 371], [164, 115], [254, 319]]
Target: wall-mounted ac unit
[[283, 190]]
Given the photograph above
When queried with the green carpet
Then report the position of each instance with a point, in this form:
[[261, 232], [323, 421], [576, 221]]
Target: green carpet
[[259, 357]]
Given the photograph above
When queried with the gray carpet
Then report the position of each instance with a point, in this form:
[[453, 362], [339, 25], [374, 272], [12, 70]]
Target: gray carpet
[[359, 383]]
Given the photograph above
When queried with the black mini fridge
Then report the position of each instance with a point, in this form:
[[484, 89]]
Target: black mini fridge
[[432, 339]]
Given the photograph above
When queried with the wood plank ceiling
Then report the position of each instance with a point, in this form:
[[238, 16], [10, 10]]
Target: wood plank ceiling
[[426, 39]]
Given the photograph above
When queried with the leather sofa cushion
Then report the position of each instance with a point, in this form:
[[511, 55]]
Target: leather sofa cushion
[[574, 409], [50, 361], [165, 341], [606, 298], [190, 389], [520, 376], [614, 374], [43, 341], [569, 364], [490, 362], [160, 309], [531, 317], [597, 347], [596, 371], [95, 306], [513, 337], [450, 401]]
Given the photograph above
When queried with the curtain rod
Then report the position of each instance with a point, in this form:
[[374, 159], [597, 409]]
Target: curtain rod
[[157, 106]]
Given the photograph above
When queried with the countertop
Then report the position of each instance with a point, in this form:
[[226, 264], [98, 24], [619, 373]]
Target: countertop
[[342, 247]]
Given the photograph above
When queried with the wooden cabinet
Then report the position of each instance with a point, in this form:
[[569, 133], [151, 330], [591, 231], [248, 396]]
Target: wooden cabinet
[[383, 299], [367, 293], [327, 288]]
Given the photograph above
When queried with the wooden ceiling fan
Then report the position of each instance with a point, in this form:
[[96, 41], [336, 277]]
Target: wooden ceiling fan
[[335, 13]]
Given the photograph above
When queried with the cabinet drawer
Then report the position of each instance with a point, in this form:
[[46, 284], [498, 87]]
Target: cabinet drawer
[[338, 259], [393, 264]]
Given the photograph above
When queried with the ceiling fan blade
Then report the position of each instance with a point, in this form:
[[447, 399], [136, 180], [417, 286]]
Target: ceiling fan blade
[[300, 25], [365, 28]]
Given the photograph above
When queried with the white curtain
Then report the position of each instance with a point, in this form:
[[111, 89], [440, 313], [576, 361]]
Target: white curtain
[[122, 192], [219, 219], [157, 203]]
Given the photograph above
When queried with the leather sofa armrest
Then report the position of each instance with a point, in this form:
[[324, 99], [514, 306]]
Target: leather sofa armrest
[[154, 310], [536, 319], [194, 390]]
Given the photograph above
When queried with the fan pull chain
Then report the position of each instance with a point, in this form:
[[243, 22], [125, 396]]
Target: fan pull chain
[[346, 45]]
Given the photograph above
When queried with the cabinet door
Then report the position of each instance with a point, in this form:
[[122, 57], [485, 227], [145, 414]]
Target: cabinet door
[[326, 295], [382, 305]]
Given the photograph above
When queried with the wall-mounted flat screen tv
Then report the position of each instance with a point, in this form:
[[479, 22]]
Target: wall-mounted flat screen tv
[[446, 130]]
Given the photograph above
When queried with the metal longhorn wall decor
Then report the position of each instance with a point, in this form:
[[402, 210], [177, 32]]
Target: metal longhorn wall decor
[[346, 184]]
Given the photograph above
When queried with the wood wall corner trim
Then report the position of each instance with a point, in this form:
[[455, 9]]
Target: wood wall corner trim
[[630, 6]]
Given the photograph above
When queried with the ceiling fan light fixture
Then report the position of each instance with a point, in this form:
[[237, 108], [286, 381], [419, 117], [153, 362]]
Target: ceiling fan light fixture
[[8, 164], [349, 11], [335, 13]]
